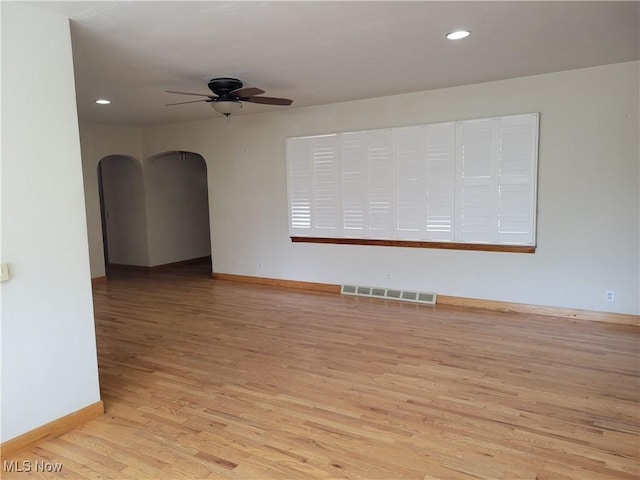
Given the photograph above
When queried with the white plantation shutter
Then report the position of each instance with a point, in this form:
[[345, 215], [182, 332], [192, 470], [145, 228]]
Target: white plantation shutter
[[313, 186], [516, 179], [472, 181], [411, 182], [366, 168], [381, 184], [425, 161], [300, 185], [440, 169], [325, 218], [355, 184], [475, 209]]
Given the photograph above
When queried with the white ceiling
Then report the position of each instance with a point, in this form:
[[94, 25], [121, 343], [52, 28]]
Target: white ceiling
[[324, 52]]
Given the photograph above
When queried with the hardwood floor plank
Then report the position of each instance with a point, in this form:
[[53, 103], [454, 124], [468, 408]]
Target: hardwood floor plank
[[212, 379]]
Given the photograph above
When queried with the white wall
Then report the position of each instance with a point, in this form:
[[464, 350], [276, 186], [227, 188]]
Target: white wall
[[49, 366], [588, 193], [177, 208], [125, 210]]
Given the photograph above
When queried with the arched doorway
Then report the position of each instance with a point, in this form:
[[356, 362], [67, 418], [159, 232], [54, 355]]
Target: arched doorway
[[122, 210], [178, 209], [157, 216]]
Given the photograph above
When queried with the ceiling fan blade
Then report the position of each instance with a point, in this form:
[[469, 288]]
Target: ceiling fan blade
[[192, 101], [189, 93], [247, 92], [269, 100]]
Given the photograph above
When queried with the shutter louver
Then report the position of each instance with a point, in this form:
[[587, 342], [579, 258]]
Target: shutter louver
[[475, 167], [300, 187], [516, 174], [440, 195], [355, 184], [411, 182], [326, 189], [381, 184]]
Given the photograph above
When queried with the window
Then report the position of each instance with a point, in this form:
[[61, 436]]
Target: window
[[470, 182]]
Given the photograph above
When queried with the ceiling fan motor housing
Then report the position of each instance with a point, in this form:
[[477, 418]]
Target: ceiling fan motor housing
[[223, 87]]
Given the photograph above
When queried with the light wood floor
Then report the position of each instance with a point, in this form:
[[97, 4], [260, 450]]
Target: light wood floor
[[212, 379]]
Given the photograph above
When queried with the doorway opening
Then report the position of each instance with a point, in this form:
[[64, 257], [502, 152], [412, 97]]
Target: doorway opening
[[178, 210], [157, 217], [122, 211]]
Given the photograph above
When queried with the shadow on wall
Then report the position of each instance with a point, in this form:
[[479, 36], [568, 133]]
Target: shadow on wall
[[157, 215]]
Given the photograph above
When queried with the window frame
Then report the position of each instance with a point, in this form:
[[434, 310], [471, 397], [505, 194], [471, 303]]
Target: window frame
[[527, 183]]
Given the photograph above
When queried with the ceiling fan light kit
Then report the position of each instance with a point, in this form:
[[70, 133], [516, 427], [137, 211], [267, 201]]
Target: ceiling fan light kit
[[229, 95], [226, 107]]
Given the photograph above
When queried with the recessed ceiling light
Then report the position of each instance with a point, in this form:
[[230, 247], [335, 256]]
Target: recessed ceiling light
[[103, 101], [458, 34]]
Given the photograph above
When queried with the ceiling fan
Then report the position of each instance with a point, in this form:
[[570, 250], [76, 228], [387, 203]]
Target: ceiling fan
[[229, 95]]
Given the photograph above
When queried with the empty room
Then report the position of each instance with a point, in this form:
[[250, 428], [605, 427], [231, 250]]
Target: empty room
[[299, 240]]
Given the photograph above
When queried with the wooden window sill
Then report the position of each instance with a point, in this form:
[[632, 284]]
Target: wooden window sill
[[418, 244]]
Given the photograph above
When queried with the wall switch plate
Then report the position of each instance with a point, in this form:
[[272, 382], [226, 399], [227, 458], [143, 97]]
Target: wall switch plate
[[4, 272]]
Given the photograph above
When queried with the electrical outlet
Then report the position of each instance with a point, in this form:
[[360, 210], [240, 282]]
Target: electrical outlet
[[260, 266], [4, 272], [611, 296], [388, 276]]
